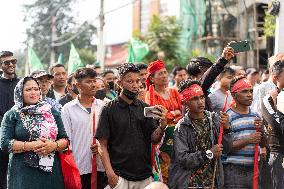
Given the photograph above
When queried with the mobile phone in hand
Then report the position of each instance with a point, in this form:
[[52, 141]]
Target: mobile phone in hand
[[152, 112], [240, 46]]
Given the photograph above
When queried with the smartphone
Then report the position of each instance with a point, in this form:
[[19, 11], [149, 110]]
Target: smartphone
[[240, 46], [151, 112]]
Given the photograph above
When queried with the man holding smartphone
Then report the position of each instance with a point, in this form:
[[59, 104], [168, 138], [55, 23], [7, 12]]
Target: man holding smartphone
[[125, 134]]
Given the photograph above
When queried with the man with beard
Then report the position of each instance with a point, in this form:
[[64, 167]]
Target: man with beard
[[125, 134], [246, 130], [108, 77], [57, 90], [195, 144], [76, 117], [8, 81]]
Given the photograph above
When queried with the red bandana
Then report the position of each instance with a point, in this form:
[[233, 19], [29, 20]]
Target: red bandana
[[240, 85], [152, 68], [193, 91]]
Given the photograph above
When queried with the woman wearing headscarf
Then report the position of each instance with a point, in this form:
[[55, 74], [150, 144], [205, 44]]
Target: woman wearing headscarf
[[159, 93], [33, 133]]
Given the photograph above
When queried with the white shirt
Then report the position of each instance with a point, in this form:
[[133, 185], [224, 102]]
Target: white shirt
[[259, 92], [78, 125], [57, 95]]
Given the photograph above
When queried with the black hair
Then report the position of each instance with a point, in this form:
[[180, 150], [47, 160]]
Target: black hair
[[266, 72], [107, 72], [227, 70], [196, 64], [70, 78], [186, 84], [26, 79], [84, 73], [235, 80], [277, 67], [177, 69], [5, 54], [97, 66], [55, 66], [141, 66]]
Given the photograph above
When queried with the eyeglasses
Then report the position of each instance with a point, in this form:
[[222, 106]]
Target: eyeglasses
[[8, 62]]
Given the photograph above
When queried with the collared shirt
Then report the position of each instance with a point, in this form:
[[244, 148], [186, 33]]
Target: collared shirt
[[78, 125], [57, 95], [259, 93], [128, 133]]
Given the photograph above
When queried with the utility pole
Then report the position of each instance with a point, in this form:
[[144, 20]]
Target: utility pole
[[279, 34], [101, 47], [53, 38], [256, 63]]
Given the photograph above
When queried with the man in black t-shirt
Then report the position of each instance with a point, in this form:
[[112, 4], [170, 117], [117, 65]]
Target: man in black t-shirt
[[125, 135]]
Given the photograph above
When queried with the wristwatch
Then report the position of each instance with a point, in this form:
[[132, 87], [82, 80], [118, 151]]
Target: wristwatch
[[209, 154]]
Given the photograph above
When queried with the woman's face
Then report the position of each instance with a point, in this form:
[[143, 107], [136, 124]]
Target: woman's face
[[161, 77], [31, 92]]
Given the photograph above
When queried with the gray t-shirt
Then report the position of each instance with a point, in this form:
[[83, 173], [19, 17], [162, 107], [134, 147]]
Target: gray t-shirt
[[218, 99]]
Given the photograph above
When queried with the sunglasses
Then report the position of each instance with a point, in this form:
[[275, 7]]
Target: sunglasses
[[8, 62]]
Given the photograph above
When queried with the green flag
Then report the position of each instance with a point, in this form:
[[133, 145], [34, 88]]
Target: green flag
[[74, 61], [60, 58], [137, 50], [33, 61]]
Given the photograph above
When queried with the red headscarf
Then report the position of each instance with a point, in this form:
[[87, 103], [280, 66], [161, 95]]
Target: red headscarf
[[241, 85], [152, 68], [193, 91]]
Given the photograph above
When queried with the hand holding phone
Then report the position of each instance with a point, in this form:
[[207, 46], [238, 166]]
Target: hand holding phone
[[152, 111]]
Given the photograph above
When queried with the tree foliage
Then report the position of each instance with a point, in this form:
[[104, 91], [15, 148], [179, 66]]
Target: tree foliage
[[39, 17], [269, 25], [163, 39]]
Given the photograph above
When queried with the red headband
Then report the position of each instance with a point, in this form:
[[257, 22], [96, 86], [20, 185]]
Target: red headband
[[241, 85], [152, 68], [193, 91]]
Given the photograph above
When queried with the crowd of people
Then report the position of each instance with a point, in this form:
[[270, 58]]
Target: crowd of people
[[214, 125]]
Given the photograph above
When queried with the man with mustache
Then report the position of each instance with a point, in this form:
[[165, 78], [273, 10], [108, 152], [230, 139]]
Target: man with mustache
[[8, 81], [59, 73], [246, 130]]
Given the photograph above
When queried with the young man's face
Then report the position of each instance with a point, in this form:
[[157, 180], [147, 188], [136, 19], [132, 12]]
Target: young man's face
[[60, 76], [87, 86], [253, 78], [131, 82], [9, 65], [143, 75], [180, 76], [244, 97], [44, 83], [196, 104], [225, 80]]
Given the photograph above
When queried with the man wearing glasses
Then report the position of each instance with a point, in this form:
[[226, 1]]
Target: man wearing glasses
[[8, 81]]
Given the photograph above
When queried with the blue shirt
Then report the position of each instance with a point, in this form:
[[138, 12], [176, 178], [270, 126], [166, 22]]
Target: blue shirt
[[242, 125]]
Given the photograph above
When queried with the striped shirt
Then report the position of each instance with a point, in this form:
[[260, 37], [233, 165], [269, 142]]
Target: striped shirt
[[242, 125], [78, 125]]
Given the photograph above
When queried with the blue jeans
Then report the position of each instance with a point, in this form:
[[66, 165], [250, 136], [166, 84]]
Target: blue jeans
[[277, 170], [237, 176]]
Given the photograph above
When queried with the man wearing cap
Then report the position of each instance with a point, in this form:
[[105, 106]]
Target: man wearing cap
[[125, 134], [195, 143], [8, 81], [44, 80], [246, 130]]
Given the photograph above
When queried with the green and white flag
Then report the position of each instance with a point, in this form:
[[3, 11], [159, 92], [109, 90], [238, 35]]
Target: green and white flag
[[60, 59], [74, 61], [137, 50], [33, 61]]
